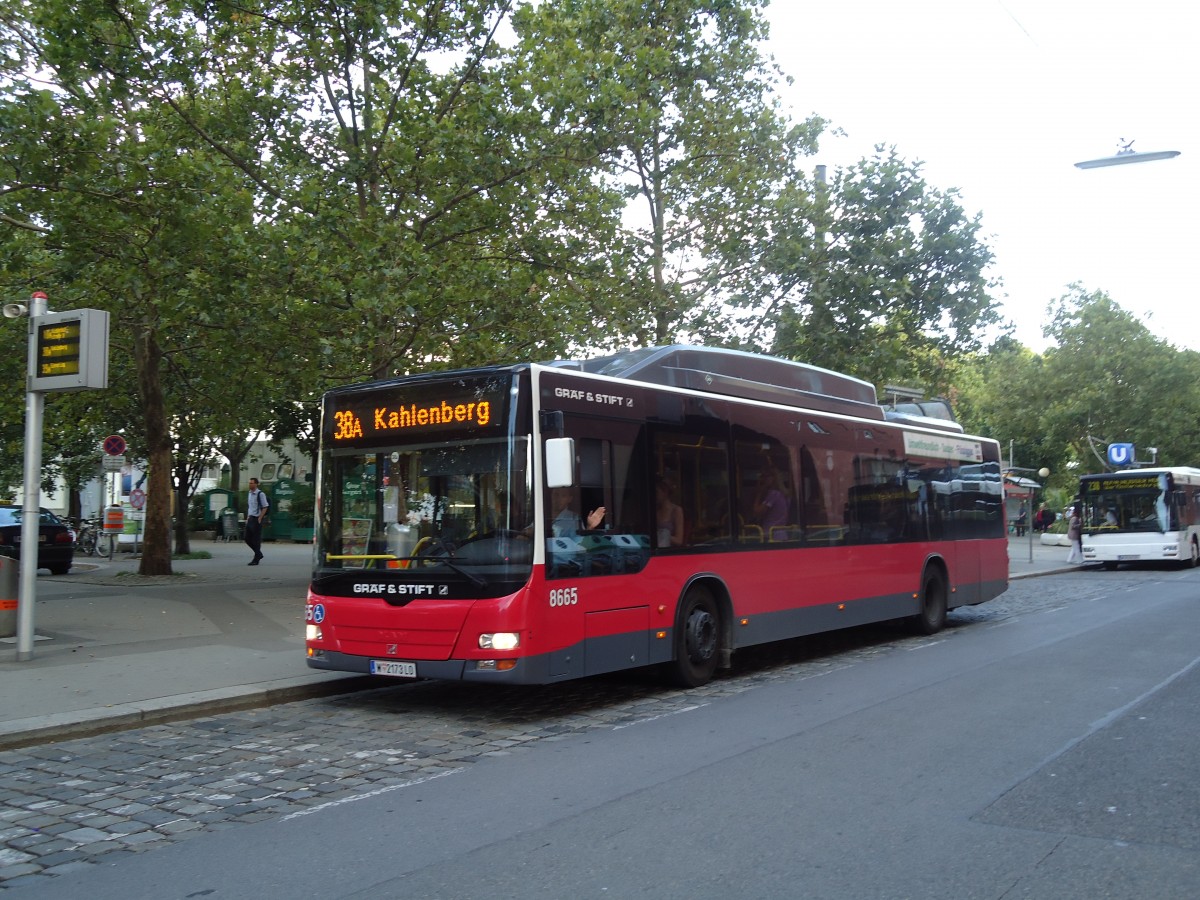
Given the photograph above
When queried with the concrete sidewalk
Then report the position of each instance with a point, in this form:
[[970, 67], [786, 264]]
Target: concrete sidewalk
[[1027, 558], [115, 650]]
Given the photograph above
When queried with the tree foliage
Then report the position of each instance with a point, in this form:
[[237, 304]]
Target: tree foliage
[[345, 207], [1105, 379], [695, 145], [1112, 380], [1004, 393], [885, 277]]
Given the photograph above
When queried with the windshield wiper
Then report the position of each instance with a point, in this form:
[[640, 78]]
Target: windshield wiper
[[470, 576]]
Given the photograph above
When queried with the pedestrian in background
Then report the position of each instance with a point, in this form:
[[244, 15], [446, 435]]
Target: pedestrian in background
[[257, 504], [1043, 519], [1075, 536]]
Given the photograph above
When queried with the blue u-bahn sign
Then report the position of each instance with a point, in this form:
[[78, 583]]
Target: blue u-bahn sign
[[1121, 454]]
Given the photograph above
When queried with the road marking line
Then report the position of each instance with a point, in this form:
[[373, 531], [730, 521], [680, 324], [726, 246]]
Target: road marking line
[[375, 793], [659, 716]]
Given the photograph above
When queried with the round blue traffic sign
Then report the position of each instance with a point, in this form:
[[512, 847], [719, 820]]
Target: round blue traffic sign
[[114, 445]]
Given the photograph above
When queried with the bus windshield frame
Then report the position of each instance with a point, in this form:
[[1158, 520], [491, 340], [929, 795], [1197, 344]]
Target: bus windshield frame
[[426, 481], [1121, 503]]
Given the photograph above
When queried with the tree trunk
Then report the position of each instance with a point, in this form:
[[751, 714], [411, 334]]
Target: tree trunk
[[156, 546]]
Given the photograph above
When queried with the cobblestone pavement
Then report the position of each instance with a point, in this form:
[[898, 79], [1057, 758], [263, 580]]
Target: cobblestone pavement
[[73, 804]]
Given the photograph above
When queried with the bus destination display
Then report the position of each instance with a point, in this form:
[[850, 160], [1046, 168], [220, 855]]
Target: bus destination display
[[1098, 484], [406, 413]]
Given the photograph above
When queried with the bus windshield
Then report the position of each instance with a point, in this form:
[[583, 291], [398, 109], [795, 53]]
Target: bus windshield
[[1125, 504], [459, 506], [426, 479]]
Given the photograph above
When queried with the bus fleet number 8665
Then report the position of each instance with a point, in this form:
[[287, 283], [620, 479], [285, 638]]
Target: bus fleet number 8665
[[564, 596]]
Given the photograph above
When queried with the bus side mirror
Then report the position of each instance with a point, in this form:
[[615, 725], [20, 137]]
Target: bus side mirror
[[560, 462]]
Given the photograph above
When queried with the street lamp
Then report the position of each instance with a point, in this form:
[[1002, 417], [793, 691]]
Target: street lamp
[[1126, 155]]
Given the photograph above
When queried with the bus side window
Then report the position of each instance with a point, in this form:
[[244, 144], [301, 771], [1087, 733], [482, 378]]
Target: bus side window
[[692, 466], [608, 474]]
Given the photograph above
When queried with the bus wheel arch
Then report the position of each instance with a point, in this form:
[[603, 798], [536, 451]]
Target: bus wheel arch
[[701, 637], [934, 598]]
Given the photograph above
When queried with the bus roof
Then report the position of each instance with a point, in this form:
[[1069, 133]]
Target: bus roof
[[730, 373], [736, 373], [1189, 473]]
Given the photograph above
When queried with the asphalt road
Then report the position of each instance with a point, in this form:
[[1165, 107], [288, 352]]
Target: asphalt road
[[1043, 746]]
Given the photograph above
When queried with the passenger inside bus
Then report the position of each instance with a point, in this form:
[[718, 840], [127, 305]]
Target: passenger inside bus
[[668, 516], [771, 504]]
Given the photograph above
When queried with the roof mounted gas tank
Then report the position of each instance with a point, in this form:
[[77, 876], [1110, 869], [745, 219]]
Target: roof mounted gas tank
[[735, 373]]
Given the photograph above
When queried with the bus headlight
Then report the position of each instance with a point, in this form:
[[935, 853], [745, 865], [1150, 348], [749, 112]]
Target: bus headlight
[[501, 640], [313, 633]]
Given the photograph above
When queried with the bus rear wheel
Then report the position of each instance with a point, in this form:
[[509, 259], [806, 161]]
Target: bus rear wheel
[[697, 640], [932, 617]]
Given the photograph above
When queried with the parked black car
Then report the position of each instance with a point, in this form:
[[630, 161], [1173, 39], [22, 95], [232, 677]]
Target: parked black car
[[56, 543]]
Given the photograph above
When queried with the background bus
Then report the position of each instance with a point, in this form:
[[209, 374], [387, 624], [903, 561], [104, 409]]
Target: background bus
[[453, 510], [1141, 515]]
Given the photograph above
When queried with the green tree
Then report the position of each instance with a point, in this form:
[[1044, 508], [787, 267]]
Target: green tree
[[882, 276], [134, 219], [1004, 393], [346, 206], [1110, 379], [695, 144], [427, 206]]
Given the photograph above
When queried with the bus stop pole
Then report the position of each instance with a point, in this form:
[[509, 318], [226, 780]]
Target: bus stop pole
[[31, 517]]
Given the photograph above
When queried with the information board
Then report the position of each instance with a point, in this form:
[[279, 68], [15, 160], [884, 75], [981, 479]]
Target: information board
[[69, 351]]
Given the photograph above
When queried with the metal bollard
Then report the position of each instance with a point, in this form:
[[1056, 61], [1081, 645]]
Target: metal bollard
[[10, 577]]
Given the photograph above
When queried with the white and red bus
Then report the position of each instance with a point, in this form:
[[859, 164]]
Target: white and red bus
[[666, 506], [1141, 515]]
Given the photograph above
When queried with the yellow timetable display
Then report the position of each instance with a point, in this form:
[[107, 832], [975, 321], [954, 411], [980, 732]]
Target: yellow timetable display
[[58, 349], [69, 351]]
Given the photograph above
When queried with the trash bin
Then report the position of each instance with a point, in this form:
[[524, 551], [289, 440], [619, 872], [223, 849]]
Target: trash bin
[[230, 527], [10, 568], [213, 503]]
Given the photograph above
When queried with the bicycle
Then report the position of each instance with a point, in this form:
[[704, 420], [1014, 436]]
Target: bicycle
[[87, 538]]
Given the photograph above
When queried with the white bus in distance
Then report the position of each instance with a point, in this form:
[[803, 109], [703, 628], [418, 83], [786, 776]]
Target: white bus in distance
[[1141, 515]]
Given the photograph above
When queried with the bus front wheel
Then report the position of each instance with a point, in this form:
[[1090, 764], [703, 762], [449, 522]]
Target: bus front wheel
[[932, 617], [697, 640]]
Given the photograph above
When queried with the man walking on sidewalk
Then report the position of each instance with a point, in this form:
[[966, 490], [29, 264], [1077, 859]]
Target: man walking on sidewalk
[[257, 505]]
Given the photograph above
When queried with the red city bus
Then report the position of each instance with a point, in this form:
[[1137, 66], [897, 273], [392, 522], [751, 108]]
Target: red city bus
[[534, 523]]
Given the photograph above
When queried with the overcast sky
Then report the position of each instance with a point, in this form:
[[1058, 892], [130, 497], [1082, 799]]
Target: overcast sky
[[999, 100]]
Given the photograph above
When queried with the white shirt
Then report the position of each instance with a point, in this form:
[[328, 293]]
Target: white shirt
[[256, 503]]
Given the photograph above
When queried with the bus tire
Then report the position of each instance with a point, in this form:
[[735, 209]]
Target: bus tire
[[697, 640], [1195, 554], [932, 617]]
